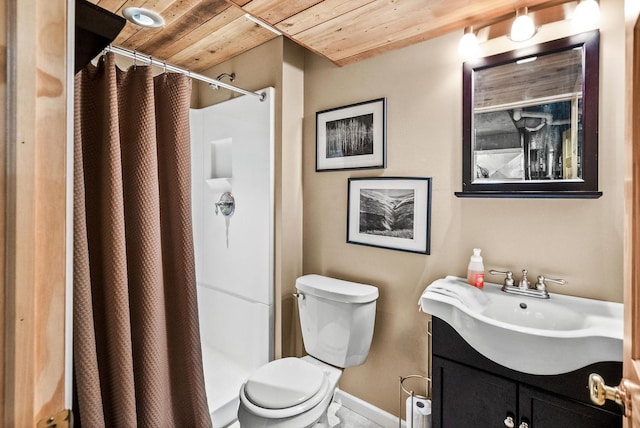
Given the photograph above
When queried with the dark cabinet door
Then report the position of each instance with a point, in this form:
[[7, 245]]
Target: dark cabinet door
[[543, 410], [465, 397]]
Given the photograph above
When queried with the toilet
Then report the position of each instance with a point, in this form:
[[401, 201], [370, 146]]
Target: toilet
[[337, 319]]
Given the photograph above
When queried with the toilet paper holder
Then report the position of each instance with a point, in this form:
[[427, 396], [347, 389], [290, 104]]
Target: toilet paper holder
[[416, 389], [408, 386]]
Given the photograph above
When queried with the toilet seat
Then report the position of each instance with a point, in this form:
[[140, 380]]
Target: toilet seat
[[284, 388]]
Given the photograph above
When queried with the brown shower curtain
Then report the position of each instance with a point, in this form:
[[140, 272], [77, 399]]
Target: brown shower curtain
[[137, 355]]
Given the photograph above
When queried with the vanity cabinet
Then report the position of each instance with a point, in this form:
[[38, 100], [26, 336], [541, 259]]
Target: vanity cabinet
[[471, 390]]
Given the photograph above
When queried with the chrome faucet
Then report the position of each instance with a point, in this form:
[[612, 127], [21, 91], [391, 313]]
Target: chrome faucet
[[524, 287]]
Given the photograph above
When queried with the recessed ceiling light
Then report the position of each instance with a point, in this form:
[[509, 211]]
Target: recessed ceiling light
[[143, 17]]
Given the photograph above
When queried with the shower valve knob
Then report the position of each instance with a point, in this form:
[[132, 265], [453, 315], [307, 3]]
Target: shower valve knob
[[226, 205]]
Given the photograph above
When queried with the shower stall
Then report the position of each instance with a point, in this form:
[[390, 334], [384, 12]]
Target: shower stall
[[233, 152]]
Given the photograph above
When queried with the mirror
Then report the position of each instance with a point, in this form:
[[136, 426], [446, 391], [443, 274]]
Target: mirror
[[530, 121]]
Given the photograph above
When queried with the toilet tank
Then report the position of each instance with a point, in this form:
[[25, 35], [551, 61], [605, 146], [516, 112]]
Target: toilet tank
[[337, 319]]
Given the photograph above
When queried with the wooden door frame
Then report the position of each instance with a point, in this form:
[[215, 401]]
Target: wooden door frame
[[33, 210], [631, 368]]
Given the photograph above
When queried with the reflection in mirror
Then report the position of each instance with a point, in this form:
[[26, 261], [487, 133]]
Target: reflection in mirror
[[525, 127], [525, 122]]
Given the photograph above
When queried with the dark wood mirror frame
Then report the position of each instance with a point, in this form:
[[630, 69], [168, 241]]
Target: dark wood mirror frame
[[585, 188]]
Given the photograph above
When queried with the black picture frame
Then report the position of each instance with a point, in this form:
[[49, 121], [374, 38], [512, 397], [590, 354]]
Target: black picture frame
[[352, 136], [390, 212], [587, 185]]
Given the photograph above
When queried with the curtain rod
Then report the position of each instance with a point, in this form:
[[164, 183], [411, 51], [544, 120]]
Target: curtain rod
[[148, 59]]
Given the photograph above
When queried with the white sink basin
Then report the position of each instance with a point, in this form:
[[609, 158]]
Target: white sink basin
[[536, 336]]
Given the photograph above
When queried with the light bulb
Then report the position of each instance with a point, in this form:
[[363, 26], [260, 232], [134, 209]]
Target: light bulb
[[523, 28], [586, 15], [468, 46]]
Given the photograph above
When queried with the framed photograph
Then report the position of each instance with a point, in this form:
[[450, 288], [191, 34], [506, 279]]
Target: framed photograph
[[390, 212], [352, 137]]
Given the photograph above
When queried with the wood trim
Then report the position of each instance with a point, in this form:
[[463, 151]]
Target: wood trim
[[3, 103], [35, 210], [631, 371], [634, 129], [632, 198]]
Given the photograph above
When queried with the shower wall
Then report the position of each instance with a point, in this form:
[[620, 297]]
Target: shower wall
[[232, 151]]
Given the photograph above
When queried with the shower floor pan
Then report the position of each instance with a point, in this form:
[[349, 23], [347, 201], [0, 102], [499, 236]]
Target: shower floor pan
[[223, 378]]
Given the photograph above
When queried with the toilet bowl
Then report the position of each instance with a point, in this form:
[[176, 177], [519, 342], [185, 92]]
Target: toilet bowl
[[288, 393], [337, 319]]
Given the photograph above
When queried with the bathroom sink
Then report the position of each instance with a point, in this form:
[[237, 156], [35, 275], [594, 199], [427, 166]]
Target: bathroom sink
[[536, 314], [536, 336]]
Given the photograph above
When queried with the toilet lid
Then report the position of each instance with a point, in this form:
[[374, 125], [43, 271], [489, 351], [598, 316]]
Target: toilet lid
[[284, 383]]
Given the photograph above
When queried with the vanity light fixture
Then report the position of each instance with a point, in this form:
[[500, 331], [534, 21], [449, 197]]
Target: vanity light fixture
[[587, 14], [468, 46], [583, 15], [523, 27], [143, 17]]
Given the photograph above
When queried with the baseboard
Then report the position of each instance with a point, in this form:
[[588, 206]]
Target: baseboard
[[369, 411]]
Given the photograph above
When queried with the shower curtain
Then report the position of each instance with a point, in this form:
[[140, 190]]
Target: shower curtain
[[137, 356]]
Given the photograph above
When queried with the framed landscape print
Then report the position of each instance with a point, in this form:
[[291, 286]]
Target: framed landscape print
[[352, 137], [390, 212]]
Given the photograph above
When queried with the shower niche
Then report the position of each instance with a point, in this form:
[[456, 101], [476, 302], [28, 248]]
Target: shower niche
[[220, 169]]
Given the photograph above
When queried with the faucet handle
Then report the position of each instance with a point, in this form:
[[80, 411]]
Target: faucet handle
[[540, 285], [508, 280], [524, 282]]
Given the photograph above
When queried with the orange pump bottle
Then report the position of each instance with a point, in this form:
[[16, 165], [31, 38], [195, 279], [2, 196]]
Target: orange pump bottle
[[475, 271]]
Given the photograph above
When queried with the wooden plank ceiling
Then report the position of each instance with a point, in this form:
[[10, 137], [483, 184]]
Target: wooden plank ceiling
[[199, 34]]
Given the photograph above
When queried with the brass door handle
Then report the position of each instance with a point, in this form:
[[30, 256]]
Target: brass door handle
[[601, 392], [62, 419]]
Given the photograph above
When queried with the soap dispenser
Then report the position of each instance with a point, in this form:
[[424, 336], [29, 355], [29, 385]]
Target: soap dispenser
[[475, 271]]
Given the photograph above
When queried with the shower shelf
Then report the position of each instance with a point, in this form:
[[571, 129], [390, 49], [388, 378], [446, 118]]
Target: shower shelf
[[219, 184]]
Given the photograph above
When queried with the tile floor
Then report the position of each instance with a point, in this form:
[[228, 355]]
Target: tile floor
[[343, 417]]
